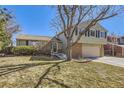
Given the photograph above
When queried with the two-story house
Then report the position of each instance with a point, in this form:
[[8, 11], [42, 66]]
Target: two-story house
[[91, 43]]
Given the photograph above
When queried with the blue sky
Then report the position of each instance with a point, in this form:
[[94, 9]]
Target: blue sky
[[36, 20]]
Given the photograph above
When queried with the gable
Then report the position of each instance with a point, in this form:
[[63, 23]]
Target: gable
[[84, 24], [95, 27]]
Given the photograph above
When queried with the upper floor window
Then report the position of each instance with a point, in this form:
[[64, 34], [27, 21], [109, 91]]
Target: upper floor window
[[98, 34], [87, 33], [92, 33], [103, 34]]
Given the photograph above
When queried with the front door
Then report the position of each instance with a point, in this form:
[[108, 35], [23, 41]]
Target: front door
[[54, 47]]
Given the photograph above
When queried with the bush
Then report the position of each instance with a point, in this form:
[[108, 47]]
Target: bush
[[24, 50], [7, 50]]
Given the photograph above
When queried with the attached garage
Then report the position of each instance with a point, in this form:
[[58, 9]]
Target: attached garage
[[91, 50], [87, 50]]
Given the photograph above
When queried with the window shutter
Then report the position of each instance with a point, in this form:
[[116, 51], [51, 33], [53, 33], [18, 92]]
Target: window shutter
[[105, 34], [76, 31], [98, 34]]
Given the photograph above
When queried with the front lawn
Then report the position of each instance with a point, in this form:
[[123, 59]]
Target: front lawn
[[24, 72]]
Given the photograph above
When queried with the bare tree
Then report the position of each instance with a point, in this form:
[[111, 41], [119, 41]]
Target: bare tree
[[12, 29], [69, 17]]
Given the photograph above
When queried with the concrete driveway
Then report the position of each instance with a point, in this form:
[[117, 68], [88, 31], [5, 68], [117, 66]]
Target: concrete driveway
[[111, 60]]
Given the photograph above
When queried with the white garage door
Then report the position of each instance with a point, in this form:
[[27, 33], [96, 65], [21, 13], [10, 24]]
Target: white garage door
[[91, 51]]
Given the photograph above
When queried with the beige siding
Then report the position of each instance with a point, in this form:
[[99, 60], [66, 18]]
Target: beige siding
[[84, 39], [102, 50], [91, 40]]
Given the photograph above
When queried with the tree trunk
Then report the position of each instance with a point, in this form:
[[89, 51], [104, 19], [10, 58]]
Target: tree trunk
[[68, 52]]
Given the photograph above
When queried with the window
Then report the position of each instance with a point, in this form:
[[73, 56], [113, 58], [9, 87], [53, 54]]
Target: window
[[97, 33], [101, 34], [88, 33], [26, 43], [92, 33], [21, 42]]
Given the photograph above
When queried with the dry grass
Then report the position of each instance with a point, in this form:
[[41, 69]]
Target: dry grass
[[22, 72]]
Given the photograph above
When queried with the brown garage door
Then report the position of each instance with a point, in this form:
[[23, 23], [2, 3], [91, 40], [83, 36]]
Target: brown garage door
[[77, 51]]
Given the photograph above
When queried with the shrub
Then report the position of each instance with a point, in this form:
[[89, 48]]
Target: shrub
[[24, 50], [7, 50]]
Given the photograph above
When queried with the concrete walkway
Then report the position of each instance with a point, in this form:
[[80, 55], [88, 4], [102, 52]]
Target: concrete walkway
[[111, 60]]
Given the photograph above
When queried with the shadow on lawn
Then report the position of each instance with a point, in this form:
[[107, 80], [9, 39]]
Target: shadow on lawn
[[43, 77], [13, 68]]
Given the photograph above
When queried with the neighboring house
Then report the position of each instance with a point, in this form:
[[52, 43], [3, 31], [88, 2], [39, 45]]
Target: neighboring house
[[112, 39], [121, 40], [113, 47], [31, 40], [119, 50], [90, 45]]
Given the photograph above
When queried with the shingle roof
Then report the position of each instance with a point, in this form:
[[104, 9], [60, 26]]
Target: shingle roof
[[97, 26], [32, 37]]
